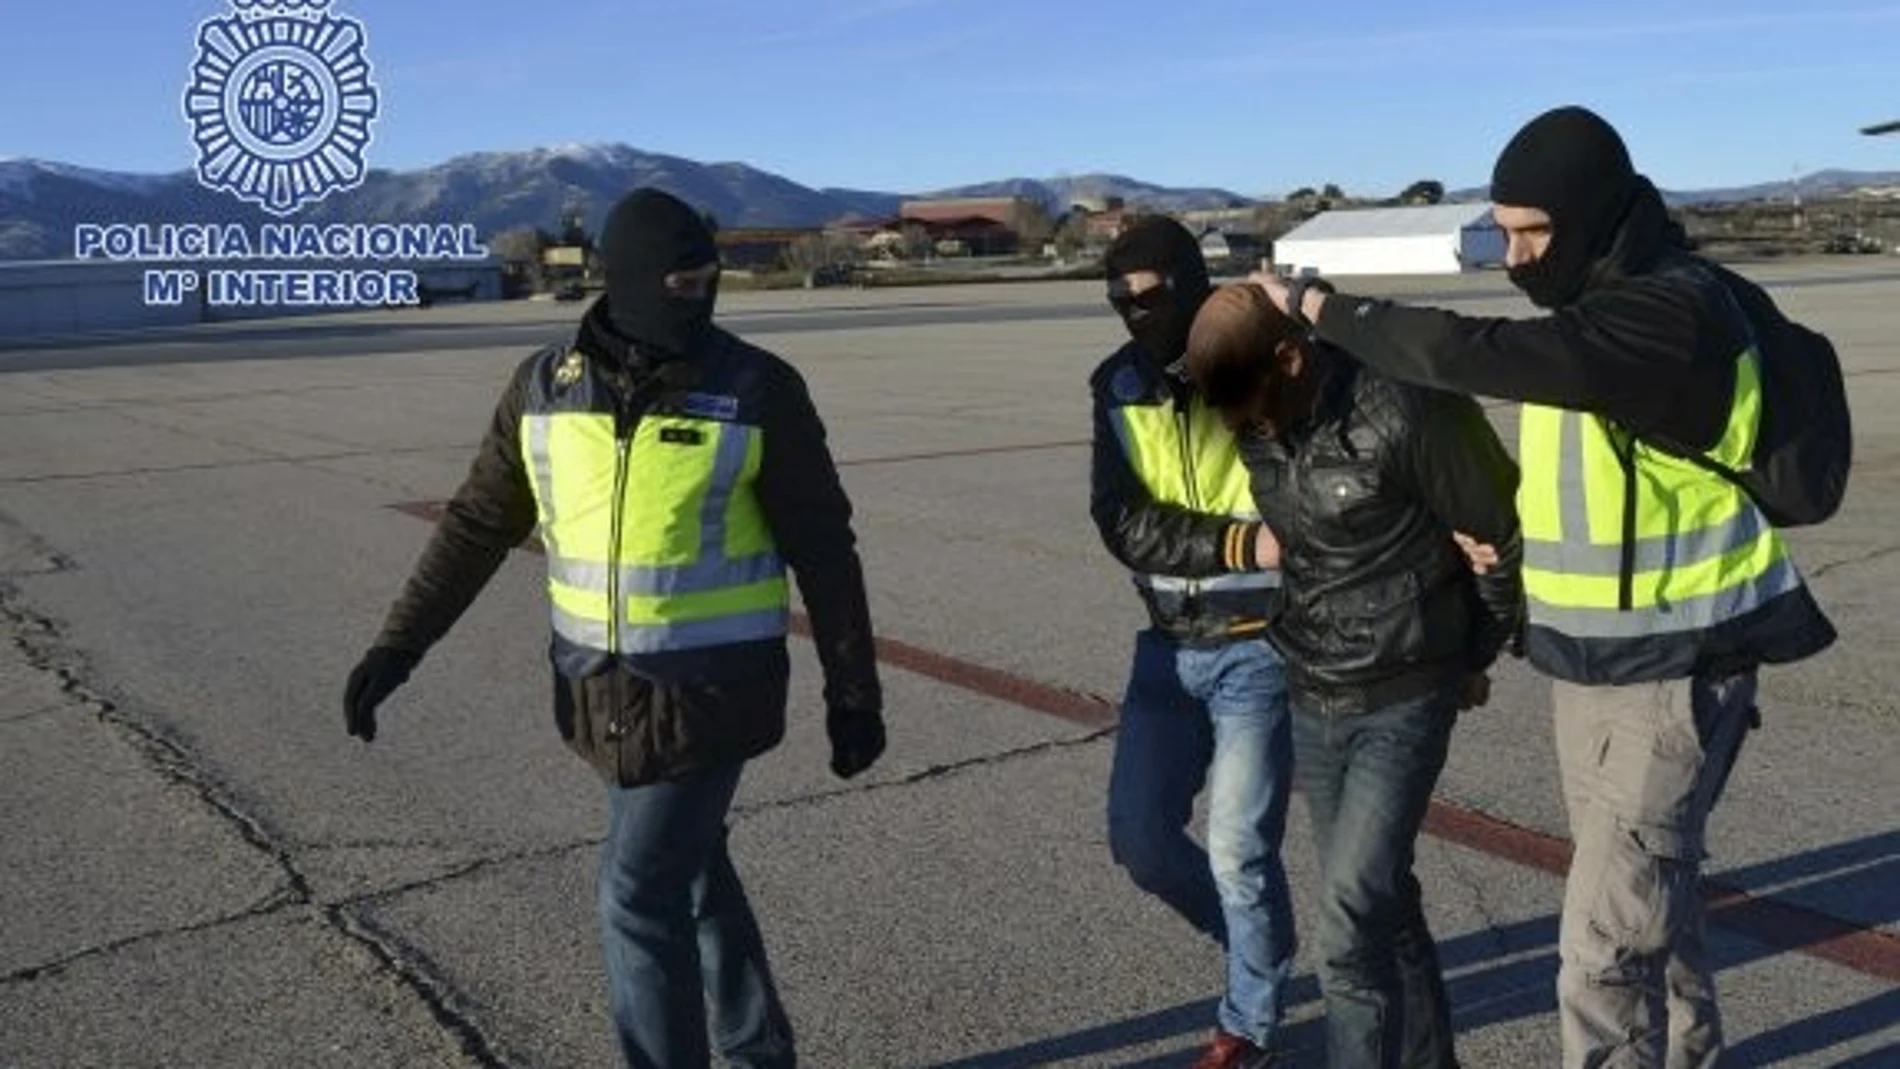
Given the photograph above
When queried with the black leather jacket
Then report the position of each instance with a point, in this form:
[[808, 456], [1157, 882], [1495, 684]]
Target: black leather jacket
[[1380, 606]]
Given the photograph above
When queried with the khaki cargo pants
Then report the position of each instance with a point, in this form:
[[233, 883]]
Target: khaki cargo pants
[[1642, 766]]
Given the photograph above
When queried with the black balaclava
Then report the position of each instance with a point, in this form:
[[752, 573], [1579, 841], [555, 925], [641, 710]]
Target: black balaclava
[[648, 235], [1160, 244], [1573, 165]]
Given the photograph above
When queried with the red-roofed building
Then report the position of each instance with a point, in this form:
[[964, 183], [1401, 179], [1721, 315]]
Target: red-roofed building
[[985, 226]]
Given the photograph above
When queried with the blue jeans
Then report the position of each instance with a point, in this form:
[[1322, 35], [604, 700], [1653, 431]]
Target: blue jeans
[[1215, 716], [1368, 780], [676, 928]]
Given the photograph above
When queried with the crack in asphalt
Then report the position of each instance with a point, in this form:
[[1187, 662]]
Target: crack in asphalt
[[40, 639], [45, 648], [466, 869], [1848, 562], [276, 903], [922, 775], [1500, 943], [739, 815], [35, 714], [454, 1012]]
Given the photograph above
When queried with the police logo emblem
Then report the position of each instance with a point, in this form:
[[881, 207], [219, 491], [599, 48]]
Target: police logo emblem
[[1127, 386], [570, 370], [280, 103]]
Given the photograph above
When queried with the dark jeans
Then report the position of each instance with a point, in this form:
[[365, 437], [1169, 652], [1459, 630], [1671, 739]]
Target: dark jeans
[[1368, 779], [676, 929]]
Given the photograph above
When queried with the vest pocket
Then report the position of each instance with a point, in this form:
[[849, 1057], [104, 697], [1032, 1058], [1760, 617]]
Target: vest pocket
[[1385, 616], [702, 722]]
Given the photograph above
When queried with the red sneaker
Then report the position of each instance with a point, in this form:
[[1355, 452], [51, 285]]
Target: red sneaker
[[1233, 1052]]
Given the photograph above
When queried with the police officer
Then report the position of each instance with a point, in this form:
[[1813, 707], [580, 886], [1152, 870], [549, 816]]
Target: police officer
[[1655, 587], [675, 472], [1206, 703]]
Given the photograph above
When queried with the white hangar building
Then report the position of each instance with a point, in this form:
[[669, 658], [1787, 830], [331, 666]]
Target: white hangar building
[[1438, 239]]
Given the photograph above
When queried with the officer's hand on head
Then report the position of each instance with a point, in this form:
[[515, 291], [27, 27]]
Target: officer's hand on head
[[374, 678], [857, 739]]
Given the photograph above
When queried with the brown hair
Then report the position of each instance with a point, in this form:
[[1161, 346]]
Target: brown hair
[[1231, 350]]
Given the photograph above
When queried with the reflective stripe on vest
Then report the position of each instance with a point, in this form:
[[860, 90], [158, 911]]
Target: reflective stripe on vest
[[1236, 582], [1194, 463], [1702, 553], [665, 527]]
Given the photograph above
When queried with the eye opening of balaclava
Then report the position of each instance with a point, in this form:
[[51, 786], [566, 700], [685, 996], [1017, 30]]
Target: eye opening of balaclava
[[1158, 319], [662, 271], [1571, 164]]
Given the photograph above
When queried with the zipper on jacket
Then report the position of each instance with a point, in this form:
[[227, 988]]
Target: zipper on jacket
[[623, 444], [1184, 424]]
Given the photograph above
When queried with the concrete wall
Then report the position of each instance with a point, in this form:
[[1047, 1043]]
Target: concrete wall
[[50, 299]]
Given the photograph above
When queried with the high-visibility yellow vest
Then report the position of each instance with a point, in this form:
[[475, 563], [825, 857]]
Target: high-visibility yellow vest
[[1633, 557], [1186, 456], [655, 539]]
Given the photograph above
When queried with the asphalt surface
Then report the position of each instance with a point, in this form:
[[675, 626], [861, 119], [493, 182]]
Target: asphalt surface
[[200, 530]]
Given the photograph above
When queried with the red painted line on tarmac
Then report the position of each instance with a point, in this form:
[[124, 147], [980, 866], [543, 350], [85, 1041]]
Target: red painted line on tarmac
[[1489, 835], [1769, 921], [1072, 706], [980, 451]]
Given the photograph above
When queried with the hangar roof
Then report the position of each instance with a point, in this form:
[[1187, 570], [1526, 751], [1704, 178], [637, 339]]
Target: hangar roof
[[1392, 222]]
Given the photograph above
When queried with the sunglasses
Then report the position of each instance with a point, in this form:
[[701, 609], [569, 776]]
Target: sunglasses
[[693, 284], [1126, 301]]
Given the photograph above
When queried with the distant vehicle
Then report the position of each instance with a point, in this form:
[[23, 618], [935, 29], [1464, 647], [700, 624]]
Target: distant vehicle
[[431, 295], [1852, 243], [569, 291], [829, 275]]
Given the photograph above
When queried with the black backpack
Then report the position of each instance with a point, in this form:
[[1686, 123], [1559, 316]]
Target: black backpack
[[1798, 471]]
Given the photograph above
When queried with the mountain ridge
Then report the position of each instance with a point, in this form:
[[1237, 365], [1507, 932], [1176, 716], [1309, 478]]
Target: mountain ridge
[[41, 201]]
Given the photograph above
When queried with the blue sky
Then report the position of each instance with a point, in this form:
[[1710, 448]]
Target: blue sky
[[907, 95]]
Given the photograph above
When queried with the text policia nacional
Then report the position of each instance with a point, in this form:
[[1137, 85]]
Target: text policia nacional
[[250, 284]]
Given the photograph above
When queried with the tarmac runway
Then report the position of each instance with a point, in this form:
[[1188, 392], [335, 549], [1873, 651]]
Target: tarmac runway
[[200, 530]]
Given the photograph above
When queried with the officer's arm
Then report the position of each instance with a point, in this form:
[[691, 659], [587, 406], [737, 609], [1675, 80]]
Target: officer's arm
[[1154, 537], [810, 518], [1640, 354], [489, 515], [1461, 471]]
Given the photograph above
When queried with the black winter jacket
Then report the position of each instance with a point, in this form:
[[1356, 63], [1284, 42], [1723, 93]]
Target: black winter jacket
[[1162, 539], [1380, 606], [1649, 344], [682, 711]]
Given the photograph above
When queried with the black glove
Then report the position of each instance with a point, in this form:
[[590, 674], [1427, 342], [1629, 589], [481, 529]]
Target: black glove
[[374, 678], [857, 738]]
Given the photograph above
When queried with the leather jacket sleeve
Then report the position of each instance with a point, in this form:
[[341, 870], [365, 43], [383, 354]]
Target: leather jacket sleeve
[[491, 513], [810, 516], [1154, 537], [1462, 472]]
